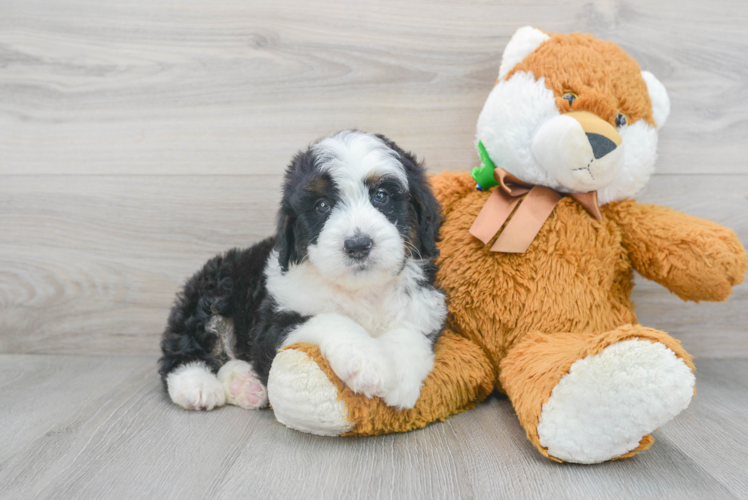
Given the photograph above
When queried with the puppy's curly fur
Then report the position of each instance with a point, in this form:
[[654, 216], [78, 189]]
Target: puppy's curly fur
[[351, 269]]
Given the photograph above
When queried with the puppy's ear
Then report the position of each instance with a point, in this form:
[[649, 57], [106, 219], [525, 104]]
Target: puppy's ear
[[428, 215], [425, 208], [285, 241]]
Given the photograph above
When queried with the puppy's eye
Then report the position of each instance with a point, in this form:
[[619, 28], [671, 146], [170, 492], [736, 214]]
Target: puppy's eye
[[621, 120], [380, 197], [570, 97], [322, 207]]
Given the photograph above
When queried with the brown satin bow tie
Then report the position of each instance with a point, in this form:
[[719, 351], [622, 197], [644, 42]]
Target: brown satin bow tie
[[529, 217]]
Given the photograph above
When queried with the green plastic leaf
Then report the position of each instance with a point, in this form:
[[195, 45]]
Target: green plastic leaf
[[483, 175]]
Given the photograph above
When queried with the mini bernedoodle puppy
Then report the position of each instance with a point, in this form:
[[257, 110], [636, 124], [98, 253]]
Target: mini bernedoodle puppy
[[350, 269]]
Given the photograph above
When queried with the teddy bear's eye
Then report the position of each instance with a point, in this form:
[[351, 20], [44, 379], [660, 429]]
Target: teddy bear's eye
[[570, 97], [621, 120]]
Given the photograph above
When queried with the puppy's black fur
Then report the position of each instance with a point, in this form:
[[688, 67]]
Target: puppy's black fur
[[233, 285], [298, 223], [424, 211]]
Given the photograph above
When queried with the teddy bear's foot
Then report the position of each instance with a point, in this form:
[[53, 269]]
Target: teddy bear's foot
[[306, 395], [303, 397], [603, 407], [592, 397]]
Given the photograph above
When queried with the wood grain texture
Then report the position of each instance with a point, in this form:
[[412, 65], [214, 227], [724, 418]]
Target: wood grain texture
[[233, 86], [122, 438], [39, 393]]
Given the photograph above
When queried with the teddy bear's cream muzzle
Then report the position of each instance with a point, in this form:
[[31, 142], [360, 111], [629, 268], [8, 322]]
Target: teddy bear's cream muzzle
[[580, 150]]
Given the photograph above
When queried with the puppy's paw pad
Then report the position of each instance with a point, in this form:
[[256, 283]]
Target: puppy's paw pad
[[242, 386], [194, 387], [246, 391]]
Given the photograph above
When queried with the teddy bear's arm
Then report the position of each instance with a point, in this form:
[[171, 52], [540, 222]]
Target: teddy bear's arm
[[307, 395], [694, 258]]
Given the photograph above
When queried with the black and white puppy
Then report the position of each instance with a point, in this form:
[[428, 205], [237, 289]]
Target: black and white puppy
[[351, 269]]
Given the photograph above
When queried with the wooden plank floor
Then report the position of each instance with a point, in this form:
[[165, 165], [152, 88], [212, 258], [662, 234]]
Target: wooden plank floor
[[102, 427]]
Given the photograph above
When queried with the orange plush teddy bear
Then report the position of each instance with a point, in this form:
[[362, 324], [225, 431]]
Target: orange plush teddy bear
[[539, 269]]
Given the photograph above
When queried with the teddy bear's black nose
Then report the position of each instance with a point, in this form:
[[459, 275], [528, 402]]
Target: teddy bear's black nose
[[601, 145]]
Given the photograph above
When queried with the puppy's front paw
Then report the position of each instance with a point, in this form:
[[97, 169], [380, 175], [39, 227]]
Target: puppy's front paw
[[194, 387], [242, 386], [361, 366], [404, 396]]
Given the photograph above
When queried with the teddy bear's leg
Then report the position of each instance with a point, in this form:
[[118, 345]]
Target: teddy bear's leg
[[306, 395], [588, 398]]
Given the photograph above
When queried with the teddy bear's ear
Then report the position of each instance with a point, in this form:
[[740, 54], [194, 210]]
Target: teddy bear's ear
[[658, 96], [523, 43]]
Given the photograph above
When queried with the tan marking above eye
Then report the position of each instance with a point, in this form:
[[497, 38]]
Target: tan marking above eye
[[374, 179], [317, 185]]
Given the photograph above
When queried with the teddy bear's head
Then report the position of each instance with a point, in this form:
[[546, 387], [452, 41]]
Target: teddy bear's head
[[573, 113]]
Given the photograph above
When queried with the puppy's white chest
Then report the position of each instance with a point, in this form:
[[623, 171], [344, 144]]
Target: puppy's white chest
[[376, 308], [370, 308], [397, 303]]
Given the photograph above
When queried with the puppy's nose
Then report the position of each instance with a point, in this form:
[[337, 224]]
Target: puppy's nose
[[358, 247]]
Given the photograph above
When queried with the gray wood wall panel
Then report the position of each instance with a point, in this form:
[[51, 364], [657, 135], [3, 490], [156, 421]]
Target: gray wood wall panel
[[234, 86], [138, 139]]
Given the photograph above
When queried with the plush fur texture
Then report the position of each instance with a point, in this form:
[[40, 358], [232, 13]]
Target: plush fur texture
[[536, 366], [305, 398], [499, 303], [524, 42], [462, 376], [560, 315], [608, 400], [351, 269], [619, 88], [522, 123]]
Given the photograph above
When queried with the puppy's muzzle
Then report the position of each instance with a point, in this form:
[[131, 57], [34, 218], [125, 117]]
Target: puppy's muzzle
[[358, 247]]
